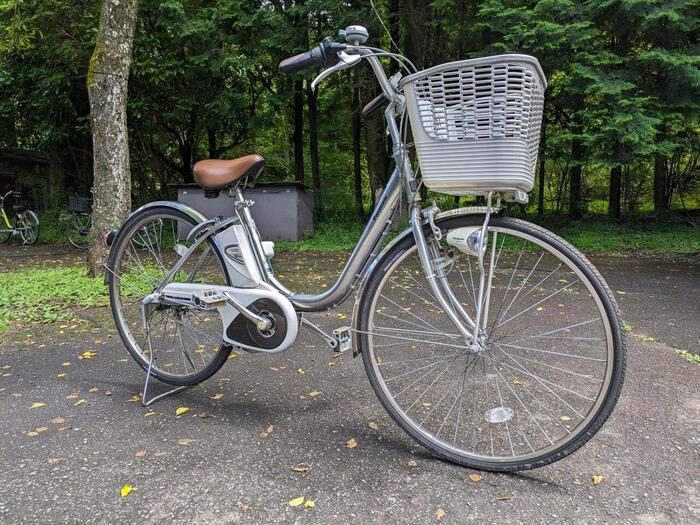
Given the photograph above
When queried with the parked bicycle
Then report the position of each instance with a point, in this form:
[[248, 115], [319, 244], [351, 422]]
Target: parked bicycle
[[489, 340], [79, 221], [23, 221]]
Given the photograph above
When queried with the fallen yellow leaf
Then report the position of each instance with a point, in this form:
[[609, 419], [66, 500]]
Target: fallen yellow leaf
[[65, 364], [314, 393], [597, 479], [412, 463], [181, 410], [352, 443], [475, 477], [184, 442], [41, 429], [373, 425], [300, 469], [296, 501], [58, 420], [439, 514], [93, 390], [61, 376], [87, 355], [309, 504], [37, 405], [72, 396], [126, 489], [140, 454], [300, 371], [216, 397], [565, 418], [269, 429], [32, 434], [53, 461], [151, 413]]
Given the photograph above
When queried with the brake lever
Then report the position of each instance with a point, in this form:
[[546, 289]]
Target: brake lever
[[345, 61]]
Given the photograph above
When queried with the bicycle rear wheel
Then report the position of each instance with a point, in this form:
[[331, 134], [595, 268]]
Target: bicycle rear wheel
[[78, 230], [186, 344], [547, 376]]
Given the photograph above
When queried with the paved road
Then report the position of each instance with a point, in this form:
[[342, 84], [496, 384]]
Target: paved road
[[227, 467]]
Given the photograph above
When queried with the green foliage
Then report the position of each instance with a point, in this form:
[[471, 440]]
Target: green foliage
[[689, 356], [46, 295], [671, 238], [624, 85], [332, 236]]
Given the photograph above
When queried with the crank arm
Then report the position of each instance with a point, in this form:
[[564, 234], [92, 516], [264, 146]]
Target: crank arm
[[329, 340]]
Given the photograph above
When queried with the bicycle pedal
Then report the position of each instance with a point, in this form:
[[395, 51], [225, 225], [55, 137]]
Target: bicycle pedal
[[211, 298], [342, 336]]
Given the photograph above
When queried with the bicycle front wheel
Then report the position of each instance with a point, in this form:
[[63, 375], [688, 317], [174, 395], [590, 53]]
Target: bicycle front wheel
[[547, 374], [28, 225]]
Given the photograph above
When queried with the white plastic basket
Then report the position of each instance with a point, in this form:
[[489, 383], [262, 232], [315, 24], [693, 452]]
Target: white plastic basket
[[476, 123]]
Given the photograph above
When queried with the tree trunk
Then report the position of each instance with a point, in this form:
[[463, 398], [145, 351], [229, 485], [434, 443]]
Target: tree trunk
[[211, 143], [575, 179], [357, 148], [543, 145], [298, 137], [615, 192], [377, 161], [107, 83], [311, 102], [416, 16], [660, 200], [393, 9]]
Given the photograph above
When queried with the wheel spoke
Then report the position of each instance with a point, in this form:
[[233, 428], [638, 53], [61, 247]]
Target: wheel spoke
[[530, 385], [183, 341]]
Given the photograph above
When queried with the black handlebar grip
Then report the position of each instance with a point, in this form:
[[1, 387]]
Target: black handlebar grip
[[315, 57]]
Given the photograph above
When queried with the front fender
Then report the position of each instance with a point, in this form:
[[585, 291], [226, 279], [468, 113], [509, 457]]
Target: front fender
[[457, 212]]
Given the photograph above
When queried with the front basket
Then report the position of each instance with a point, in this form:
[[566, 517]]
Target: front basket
[[476, 123]]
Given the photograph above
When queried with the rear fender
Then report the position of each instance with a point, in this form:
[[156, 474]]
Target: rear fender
[[174, 205]]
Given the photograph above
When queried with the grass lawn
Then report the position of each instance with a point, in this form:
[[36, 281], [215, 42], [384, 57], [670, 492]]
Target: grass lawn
[[673, 237]]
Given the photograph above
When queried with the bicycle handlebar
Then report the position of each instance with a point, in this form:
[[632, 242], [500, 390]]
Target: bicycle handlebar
[[323, 54]]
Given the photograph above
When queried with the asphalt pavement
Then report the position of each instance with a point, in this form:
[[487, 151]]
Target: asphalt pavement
[[268, 429]]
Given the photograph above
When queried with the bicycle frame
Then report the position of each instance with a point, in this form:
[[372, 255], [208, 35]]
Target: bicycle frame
[[5, 220], [366, 251]]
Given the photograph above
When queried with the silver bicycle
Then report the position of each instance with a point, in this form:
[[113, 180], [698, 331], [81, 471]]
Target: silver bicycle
[[489, 340]]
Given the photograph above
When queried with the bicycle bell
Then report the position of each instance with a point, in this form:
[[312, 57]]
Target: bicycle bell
[[355, 35]]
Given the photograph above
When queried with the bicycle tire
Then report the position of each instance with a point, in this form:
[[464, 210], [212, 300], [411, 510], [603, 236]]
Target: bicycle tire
[[114, 267], [584, 434]]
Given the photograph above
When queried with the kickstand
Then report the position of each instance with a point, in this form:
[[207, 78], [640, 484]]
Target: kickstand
[[148, 402]]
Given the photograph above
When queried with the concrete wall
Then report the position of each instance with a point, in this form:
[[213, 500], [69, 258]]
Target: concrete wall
[[282, 211]]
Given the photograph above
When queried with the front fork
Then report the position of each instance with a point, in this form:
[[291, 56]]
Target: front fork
[[471, 330]]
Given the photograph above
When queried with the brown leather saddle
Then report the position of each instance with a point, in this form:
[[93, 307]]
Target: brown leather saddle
[[218, 174]]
